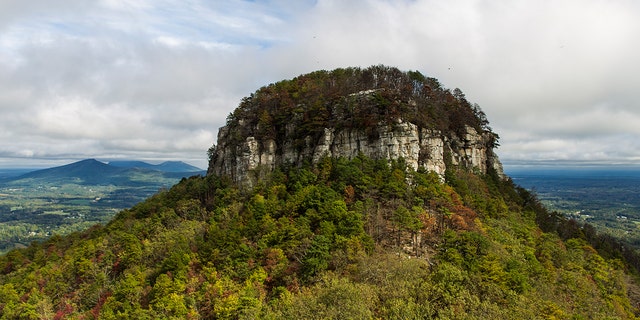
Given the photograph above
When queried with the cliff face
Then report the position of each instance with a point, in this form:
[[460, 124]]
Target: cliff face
[[380, 123], [250, 160]]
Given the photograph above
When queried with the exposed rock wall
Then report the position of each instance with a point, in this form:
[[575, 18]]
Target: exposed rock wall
[[251, 159]]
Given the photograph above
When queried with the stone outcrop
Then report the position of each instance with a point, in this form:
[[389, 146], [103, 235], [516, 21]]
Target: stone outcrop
[[379, 112], [253, 158]]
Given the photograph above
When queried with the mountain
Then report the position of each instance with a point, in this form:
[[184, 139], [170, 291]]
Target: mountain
[[94, 172], [130, 164], [320, 204], [379, 112], [70, 198], [10, 173], [167, 166], [89, 171], [177, 166]]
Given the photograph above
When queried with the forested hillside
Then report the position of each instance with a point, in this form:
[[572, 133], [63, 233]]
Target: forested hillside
[[333, 241], [336, 238]]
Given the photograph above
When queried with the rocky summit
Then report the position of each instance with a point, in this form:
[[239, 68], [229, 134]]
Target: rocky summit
[[379, 112]]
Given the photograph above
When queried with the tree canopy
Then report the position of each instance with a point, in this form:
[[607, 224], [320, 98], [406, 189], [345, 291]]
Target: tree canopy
[[354, 98]]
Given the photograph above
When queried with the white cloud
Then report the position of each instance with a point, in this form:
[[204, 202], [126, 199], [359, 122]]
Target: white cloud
[[558, 80]]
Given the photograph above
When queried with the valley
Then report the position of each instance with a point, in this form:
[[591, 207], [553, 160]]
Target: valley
[[606, 197], [57, 201]]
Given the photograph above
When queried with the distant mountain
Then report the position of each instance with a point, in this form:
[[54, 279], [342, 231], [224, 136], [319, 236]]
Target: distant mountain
[[167, 166], [130, 164], [89, 170], [37, 203], [176, 166], [9, 173], [94, 172]]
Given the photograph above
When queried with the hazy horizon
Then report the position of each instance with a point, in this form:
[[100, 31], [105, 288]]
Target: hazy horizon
[[44, 164], [510, 166]]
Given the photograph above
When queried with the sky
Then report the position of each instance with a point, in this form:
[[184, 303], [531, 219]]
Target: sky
[[153, 80]]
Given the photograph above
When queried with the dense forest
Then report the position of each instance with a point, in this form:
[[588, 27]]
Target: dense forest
[[357, 97], [341, 238], [348, 239]]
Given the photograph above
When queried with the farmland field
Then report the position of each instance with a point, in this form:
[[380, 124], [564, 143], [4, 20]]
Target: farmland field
[[58, 202], [607, 198]]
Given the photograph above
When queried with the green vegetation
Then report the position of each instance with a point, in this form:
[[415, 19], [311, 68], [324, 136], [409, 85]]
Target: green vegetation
[[355, 97], [343, 239], [302, 108]]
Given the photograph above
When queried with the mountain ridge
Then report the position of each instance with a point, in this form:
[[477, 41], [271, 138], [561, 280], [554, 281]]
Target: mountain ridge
[[92, 171], [166, 166], [89, 170]]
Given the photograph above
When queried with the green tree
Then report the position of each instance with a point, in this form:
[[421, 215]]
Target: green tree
[[316, 257]]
